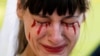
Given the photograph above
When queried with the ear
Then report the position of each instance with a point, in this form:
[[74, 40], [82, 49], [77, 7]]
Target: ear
[[20, 9]]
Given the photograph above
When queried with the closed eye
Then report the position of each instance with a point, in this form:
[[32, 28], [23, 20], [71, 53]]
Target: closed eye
[[43, 22], [43, 16], [68, 24]]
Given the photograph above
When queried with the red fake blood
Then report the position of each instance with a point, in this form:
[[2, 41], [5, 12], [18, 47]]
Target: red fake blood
[[46, 25], [34, 23], [74, 29], [67, 26], [39, 30]]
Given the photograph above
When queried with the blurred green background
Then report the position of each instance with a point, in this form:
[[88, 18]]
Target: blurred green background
[[89, 39], [2, 11]]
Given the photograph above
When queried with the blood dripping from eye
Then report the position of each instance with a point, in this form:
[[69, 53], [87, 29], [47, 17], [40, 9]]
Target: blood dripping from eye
[[46, 25], [39, 30], [73, 26], [40, 27], [67, 26], [34, 23]]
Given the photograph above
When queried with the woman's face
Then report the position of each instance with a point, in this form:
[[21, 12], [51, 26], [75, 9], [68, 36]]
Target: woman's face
[[52, 35]]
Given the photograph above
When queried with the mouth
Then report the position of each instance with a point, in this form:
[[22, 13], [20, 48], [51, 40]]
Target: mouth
[[56, 49]]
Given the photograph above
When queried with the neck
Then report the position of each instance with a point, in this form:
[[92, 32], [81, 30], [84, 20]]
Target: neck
[[28, 51]]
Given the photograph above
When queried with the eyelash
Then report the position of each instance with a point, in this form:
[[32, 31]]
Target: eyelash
[[68, 24], [43, 22], [64, 23]]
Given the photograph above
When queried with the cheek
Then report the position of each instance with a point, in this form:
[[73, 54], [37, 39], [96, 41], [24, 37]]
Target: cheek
[[35, 33], [29, 35], [40, 27], [74, 29], [39, 30], [33, 24]]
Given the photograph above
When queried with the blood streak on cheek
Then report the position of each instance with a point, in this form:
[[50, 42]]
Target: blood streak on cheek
[[67, 26], [39, 30], [47, 24], [74, 28], [41, 26], [34, 23]]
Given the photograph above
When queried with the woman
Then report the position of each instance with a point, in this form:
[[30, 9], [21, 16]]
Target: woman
[[49, 27]]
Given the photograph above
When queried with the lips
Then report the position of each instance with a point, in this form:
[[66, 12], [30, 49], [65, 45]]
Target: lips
[[54, 49]]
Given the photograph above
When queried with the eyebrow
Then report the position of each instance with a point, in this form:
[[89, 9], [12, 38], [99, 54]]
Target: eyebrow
[[69, 17], [66, 17], [44, 16]]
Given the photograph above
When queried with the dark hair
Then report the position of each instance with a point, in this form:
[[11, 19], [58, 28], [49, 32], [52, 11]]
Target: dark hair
[[62, 6], [49, 6]]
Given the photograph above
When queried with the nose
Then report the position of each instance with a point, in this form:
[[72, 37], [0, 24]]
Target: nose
[[55, 34]]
